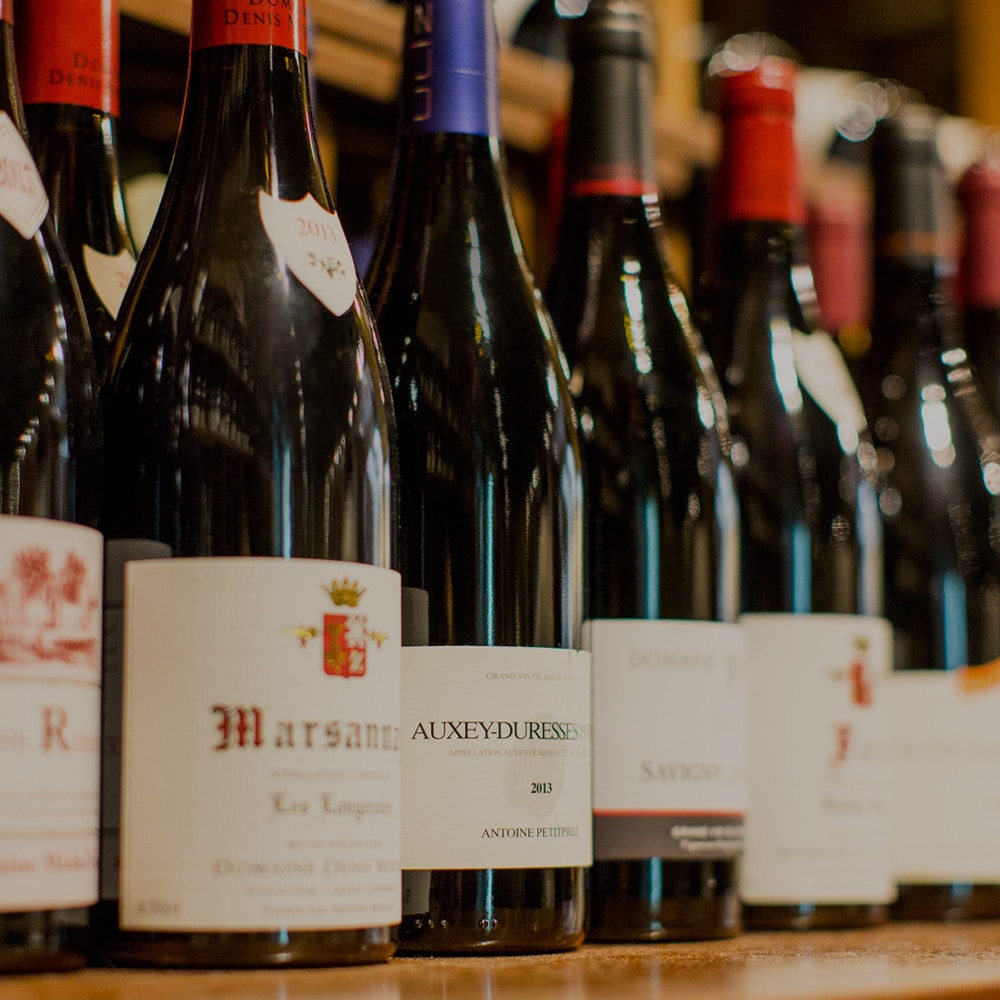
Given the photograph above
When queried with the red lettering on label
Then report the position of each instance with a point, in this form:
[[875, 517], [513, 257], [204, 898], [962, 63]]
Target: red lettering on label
[[842, 735], [249, 22], [19, 175], [59, 735], [67, 52], [54, 722]]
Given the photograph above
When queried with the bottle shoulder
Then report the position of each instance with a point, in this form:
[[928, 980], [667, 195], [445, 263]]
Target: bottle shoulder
[[792, 400], [255, 280], [50, 422], [76, 151], [448, 197], [246, 125]]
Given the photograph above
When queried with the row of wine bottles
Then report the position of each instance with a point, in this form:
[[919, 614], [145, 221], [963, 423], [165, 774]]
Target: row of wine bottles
[[914, 277], [439, 616]]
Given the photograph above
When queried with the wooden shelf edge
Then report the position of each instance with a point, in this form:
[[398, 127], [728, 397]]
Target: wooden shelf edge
[[894, 962], [356, 49]]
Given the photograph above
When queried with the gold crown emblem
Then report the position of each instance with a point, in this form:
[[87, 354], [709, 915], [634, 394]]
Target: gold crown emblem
[[345, 593]]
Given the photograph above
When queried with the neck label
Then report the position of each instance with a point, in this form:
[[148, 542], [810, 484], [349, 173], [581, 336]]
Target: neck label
[[314, 245], [7, 11], [450, 68], [760, 174], [280, 23], [109, 274], [68, 53], [23, 201]]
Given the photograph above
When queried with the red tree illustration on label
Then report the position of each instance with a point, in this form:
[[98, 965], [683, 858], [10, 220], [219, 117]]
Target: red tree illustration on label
[[45, 613]]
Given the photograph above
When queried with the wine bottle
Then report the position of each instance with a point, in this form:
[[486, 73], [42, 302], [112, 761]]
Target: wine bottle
[[940, 446], [496, 832], [817, 653], [840, 255], [252, 438], [662, 522], [979, 269], [50, 571], [68, 63]]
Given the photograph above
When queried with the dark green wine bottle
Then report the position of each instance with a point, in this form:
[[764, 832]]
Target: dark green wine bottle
[[252, 441], [496, 841], [662, 520], [50, 569]]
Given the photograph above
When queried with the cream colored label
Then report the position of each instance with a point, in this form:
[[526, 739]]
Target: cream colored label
[[110, 275], [314, 245], [945, 755], [50, 712], [669, 717], [496, 757], [817, 825], [23, 201], [261, 766]]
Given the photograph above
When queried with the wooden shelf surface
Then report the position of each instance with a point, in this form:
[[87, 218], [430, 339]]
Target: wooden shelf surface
[[356, 49], [913, 961]]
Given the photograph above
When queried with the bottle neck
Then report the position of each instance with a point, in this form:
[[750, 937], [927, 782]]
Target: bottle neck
[[449, 79], [611, 149], [759, 274], [10, 97], [76, 151], [68, 53], [746, 244], [448, 157], [759, 169], [840, 254], [216, 23], [246, 117], [911, 221], [980, 263], [915, 267]]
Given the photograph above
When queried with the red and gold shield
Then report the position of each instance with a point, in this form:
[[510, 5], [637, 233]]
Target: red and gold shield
[[345, 645]]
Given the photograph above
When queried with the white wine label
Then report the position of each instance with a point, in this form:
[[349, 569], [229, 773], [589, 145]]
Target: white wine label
[[945, 758], [669, 738], [50, 713], [314, 245], [817, 825], [824, 372], [23, 201], [109, 274], [496, 757], [260, 764]]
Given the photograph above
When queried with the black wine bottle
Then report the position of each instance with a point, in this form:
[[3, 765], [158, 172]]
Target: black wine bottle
[[940, 447], [979, 269], [496, 838], [50, 571], [662, 523], [250, 418], [816, 850], [68, 63]]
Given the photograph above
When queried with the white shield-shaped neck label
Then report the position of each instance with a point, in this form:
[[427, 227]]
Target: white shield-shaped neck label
[[314, 245], [23, 201], [109, 274]]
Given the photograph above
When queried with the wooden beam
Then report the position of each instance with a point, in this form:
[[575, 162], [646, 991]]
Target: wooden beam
[[977, 59], [357, 47]]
